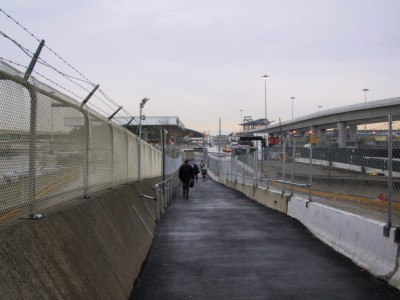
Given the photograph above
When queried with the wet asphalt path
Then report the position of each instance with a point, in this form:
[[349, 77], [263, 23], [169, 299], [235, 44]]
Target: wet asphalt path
[[218, 244]]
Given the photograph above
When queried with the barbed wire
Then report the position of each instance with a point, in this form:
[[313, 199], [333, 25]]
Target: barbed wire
[[19, 25], [41, 61], [12, 62], [25, 50], [35, 37], [91, 105], [106, 100]]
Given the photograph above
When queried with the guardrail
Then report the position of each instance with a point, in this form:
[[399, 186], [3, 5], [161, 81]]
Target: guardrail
[[164, 190]]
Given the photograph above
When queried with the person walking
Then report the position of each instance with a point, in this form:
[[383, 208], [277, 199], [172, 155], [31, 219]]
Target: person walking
[[185, 176], [204, 172], [196, 171]]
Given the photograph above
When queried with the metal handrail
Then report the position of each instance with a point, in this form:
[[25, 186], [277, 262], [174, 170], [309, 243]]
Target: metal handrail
[[273, 180], [163, 190]]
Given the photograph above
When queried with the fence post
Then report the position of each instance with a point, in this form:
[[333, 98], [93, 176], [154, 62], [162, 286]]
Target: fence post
[[110, 128], [163, 152], [255, 164], [283, 166], [267, 169], [236, 167], [311, 171], [127, 154], [86, 167], [231, 166], [32, 148], [243, 169], [390, 174], [33, 132], [293, 167]]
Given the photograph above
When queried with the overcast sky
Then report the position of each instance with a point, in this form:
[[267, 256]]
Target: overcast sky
[[202, 60]]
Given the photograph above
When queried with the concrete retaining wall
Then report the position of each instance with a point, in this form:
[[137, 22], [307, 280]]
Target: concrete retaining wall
[[263, 196], [85, 249], [266, 197]]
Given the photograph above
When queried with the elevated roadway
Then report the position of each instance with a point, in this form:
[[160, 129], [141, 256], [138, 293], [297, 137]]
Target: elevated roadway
[[341, 118]]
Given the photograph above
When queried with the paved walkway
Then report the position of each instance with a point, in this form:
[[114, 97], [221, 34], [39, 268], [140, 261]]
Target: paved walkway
[[218, 244]]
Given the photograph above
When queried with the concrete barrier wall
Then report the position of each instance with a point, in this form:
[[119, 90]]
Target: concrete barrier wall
[[84, 249], [360, 239], [263, 196], [357, 238]]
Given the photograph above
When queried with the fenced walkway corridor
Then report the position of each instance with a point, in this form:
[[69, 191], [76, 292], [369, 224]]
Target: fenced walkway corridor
[[218, 244]]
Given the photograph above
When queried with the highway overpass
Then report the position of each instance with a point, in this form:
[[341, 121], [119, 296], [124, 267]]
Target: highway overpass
[[345, 119]]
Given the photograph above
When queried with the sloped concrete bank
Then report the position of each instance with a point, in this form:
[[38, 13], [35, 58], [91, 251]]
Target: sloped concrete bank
[[85, 249], [357, 238]]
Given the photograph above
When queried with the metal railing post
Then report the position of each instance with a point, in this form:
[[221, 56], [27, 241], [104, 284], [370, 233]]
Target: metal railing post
[[293, 167], [267, 167], [243, 171], [255, 166], [310, 177], [390, 172], [283, 166]]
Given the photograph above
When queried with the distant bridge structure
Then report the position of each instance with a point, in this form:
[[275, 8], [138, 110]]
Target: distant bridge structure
[[345, 119]]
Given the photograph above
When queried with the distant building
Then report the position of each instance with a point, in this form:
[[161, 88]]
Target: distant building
[[151, 128], [250, 124]]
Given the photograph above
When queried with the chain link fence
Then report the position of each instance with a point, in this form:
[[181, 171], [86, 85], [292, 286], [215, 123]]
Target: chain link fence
[[53, 149], [363, 178]]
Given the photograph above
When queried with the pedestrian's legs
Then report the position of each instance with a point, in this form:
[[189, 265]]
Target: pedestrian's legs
[[185, 189]]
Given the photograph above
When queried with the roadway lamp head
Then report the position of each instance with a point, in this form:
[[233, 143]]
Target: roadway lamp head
[[144, 100]]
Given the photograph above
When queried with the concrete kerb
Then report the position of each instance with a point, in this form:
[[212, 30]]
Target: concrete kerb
[[357, 238], [88, 249]]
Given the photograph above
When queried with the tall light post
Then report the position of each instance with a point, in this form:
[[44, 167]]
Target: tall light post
[[365, 95], [292, 98], [265, 99], [241, 116], [140, 134], [319, 107], [365, 101]]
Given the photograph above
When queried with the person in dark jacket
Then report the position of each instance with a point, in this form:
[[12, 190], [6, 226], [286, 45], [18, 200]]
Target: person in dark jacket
[[196, 171], [186, 175]]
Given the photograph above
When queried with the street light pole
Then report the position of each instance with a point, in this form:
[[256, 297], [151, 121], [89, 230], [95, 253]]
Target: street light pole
[[365, 98], [265, 99], [241, 116], [365, 101], [292, 105], [140, 134]]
